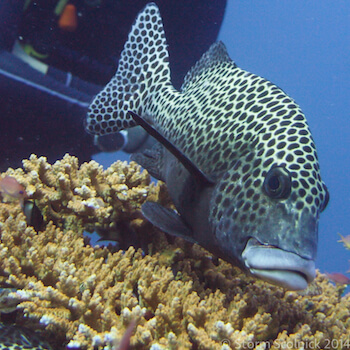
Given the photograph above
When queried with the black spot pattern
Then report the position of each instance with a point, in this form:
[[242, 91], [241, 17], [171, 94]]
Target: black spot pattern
[[142, 73], [224, 119]]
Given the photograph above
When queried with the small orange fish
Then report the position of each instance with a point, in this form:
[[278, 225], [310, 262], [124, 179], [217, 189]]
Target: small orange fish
[[338, 278], [10, 187]]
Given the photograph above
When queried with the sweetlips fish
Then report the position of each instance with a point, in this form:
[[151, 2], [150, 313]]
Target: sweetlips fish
[[235, 151]]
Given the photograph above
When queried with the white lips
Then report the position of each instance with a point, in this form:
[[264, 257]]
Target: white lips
[[278, 266]]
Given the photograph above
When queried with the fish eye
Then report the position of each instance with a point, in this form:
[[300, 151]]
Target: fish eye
[[277, 183]]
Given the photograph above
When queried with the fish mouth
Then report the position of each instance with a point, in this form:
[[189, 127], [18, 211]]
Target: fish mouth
[[277, 266]]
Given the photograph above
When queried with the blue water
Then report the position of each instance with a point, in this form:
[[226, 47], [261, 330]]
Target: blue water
[[304, 48]]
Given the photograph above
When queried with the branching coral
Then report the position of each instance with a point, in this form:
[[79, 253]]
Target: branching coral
[[70, 195], [179, 296]]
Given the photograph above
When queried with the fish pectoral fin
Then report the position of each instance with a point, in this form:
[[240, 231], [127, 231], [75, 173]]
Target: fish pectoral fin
[[197, 173], [167, 220]]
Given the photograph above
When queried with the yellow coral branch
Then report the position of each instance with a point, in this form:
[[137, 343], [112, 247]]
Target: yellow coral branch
[[179, 296]]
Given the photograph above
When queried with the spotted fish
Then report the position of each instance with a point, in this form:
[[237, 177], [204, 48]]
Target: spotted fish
[[235, 151]]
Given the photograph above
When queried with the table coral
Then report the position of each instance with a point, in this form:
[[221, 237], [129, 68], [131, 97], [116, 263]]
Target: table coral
[[180, 296]]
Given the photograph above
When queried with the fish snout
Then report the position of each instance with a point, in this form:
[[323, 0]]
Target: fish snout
[[277, 266]]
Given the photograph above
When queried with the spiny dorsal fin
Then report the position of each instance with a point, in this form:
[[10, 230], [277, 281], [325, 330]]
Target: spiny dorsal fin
[[217, 53]]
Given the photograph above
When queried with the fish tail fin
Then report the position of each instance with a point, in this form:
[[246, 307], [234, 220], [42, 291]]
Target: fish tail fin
[[142, 70]]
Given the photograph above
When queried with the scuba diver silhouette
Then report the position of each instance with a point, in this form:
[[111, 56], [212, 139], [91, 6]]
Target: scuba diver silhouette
[[55, 56]]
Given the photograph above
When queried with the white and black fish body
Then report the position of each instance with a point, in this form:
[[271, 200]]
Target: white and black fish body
[[235, 151]]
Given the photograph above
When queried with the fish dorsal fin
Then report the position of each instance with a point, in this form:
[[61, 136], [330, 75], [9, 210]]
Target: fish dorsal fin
[[201, 178], [217, 53]]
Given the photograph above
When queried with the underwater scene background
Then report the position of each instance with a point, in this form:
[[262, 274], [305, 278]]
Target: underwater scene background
[[174, 295]]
